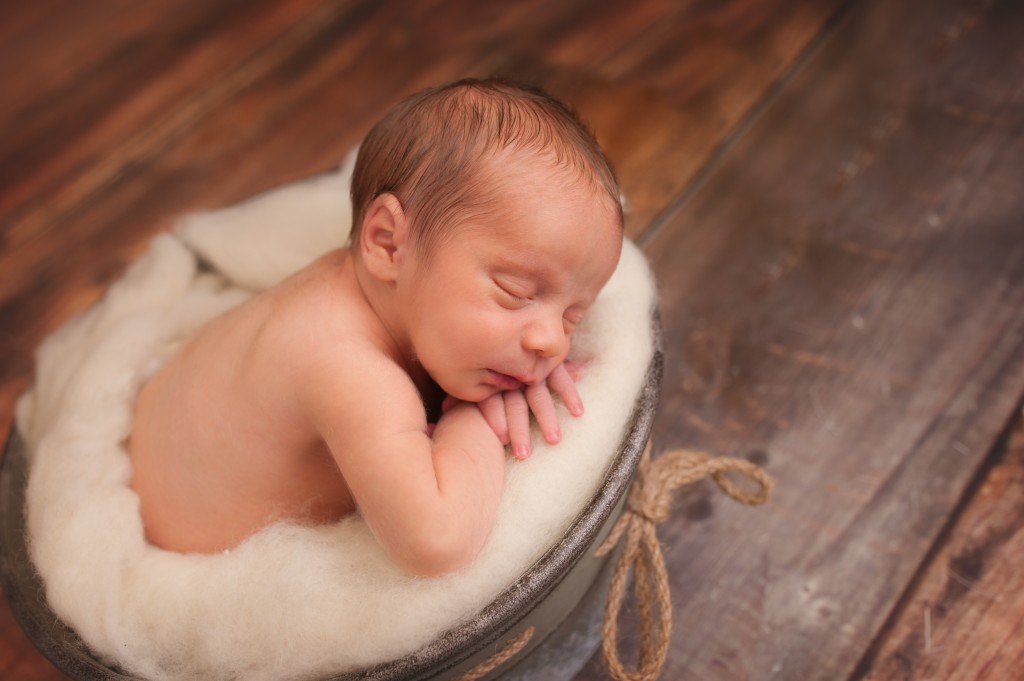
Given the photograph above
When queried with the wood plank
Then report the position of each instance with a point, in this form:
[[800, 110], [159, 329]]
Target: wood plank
[[189, 104], [664, 84], [964, 620], [216, 123], [19, 660], [844, 299], [128, 87]]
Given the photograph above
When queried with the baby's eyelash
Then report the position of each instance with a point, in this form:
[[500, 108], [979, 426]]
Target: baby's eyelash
[[516, 297], [512, 295], [573, 318]]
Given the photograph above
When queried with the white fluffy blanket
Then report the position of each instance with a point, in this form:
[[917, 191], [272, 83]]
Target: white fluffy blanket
[[290, 602]]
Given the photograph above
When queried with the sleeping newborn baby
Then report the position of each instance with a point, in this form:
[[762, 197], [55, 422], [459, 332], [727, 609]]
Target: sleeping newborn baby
[[486, 221]]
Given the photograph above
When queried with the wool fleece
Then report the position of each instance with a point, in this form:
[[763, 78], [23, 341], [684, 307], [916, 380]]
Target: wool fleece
[[290, 602]]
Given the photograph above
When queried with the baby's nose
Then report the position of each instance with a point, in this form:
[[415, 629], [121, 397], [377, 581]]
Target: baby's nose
[[546, 337]]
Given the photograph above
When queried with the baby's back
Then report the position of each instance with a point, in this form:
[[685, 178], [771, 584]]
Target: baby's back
[[221, 445]]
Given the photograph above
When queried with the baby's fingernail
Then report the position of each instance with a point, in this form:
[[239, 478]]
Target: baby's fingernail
[[554, 437], [576, 410], [521, 452]]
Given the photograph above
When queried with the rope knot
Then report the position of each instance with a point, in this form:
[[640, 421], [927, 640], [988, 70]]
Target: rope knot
[[648, 505]]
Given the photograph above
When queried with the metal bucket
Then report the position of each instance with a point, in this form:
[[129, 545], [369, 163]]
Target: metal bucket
[[561, 596]]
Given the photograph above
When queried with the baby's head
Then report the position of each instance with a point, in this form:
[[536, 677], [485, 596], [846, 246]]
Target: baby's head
[[492, 219], [442, 152]]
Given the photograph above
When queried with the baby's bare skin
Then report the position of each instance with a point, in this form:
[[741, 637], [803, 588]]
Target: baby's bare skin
[[227, 406], [305, 403]]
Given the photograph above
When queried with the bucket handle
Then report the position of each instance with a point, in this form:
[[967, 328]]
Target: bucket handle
[[649, 502], [510, 650]]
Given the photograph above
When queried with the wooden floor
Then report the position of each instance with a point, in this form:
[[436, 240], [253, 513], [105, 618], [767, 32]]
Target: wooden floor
[[832, 197]]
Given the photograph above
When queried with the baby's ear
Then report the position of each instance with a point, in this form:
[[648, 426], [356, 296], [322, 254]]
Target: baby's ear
[[383, 237]]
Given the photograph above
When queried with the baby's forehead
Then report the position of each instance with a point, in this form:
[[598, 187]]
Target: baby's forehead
[[541, 218], [515, 173], [516, 186]]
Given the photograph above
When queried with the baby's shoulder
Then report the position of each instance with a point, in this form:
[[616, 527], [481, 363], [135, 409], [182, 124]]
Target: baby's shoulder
[[342, 364], [333, 329], [315, 307], [347, 381]]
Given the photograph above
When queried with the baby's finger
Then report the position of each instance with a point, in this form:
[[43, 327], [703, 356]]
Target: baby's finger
[[543, 407], [564, 385], [517, 412], [493, 410]]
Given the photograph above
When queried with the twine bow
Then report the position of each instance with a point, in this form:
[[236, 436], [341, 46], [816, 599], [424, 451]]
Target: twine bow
[[648, 504]]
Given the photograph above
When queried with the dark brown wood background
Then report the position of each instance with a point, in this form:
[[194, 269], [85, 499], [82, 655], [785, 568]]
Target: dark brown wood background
[[832, 197]]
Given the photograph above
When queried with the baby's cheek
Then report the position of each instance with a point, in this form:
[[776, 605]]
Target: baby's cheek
[[490, 331]]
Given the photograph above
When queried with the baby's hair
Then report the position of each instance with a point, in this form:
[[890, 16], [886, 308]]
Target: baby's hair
[[428, 151]]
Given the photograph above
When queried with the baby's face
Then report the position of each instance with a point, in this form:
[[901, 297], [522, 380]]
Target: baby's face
[[495, 305]]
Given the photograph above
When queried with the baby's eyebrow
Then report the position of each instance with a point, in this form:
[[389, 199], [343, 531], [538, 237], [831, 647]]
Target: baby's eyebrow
[[544, 278], [524, 268]]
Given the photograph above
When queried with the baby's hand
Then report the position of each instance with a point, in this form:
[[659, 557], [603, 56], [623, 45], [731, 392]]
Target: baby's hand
[[508, 413]]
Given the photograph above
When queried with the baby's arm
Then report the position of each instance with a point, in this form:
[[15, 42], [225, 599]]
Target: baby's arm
[[430, 501]]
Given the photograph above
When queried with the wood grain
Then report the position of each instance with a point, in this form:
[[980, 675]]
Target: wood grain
[[964, 620], [195, 105], [839, 253], [846, 302]]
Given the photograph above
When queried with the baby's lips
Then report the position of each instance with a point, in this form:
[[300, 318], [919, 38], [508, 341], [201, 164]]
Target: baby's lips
[[504, 381]]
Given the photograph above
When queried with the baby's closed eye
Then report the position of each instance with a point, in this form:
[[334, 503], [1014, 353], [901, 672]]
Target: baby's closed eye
[[513, 294], [573, 316]]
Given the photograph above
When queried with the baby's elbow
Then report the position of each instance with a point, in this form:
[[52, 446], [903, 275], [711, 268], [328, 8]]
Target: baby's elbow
[[439, 553]]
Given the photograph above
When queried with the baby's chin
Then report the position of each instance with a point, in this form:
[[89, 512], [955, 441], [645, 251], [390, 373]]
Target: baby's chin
[[475, 393], [467, 386]]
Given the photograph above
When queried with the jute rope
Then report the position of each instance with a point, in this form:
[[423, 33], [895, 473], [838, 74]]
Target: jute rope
[[648, 504], [510, 650]]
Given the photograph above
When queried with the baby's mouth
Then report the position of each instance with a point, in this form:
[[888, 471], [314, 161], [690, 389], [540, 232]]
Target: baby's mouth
[[504, 381]]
